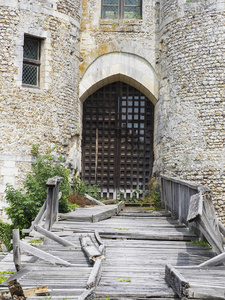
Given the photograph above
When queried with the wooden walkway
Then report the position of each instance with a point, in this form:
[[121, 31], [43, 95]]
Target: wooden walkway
[[138, 245]]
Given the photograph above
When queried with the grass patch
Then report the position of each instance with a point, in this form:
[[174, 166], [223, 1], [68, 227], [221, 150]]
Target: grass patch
[[36, 242], [124, 280], [3, 275], [200, 243]]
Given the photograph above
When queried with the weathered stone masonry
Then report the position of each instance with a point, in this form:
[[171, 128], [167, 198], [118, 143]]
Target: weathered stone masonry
[[175, 55], [192, 94], [49, 115]]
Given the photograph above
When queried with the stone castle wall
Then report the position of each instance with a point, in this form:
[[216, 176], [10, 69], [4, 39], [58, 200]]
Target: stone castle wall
[[181, 41], [101, 36], [191, 131], [47, 115]]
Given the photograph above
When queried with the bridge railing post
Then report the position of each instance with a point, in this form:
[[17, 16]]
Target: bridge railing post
[[52, 201]]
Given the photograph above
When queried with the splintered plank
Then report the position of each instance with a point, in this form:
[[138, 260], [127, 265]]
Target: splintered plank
[[197, 283], [91, 214]]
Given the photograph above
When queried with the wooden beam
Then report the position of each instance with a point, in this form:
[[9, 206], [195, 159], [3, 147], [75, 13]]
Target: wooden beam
[[52, 201], [43, 255], [16, 249], [120, 206], [95, 274], [202, 212], [16, 290], [86, 294], [37, 291], [176, 281], [89, 248], [104, 215], [101, 244], [221, 228], [39, 216], [195, 208], [92, 199], [206, 292], [215, 261], [53, 236]]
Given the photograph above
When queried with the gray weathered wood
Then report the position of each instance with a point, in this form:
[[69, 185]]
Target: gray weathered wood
[[206, 220], [215, 261], [92, 199], [104, 215], [54, 237], [206, 292], [95, 274], [204, 283], [176, 281], [221, 228], [120, 207], [49, 207], [16, 290], [195, 208], [98, 238], [43, 255], [16, 249], [39, 216], [86, 294], [52, 201], [89, 248]]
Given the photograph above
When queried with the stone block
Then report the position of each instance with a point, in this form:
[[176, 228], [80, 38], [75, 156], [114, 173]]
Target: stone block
[[5, 171]]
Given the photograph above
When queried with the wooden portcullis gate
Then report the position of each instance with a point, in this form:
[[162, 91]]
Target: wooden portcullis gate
[[117, 144]]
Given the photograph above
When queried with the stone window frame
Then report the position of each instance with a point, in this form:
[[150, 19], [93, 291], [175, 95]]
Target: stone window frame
[[121, 5], [33, 62], [45, 59]]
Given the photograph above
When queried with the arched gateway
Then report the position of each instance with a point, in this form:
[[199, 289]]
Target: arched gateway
[[117, 144]]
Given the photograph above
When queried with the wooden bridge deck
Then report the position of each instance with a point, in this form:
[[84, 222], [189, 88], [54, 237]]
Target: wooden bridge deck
[[138, 246]]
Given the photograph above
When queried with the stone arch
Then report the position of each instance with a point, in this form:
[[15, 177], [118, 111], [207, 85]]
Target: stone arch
[[118, 66]]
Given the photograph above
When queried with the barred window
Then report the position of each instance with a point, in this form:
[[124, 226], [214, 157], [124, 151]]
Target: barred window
[[121, 9], [31, 61]]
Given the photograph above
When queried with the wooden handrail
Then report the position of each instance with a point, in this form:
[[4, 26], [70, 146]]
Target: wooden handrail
[[52, 201], [192, 205]]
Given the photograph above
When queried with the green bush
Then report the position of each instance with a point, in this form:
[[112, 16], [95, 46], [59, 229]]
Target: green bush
[[6, 234], [24, 204], [82, 188]]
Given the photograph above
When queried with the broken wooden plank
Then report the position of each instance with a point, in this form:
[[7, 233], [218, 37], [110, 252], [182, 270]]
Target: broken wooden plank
[[16, 290], [16, 249], [215, 261], [52, 201], [95, 274], [43, 255], [101, 244], [120, 207], [204, 283], [206, 292], [54, 237], [86, 294], [221, 228], [37, 291], [195, 208], [89, 248], [176, 281], [92, 199], [202, 211], [104, 215]]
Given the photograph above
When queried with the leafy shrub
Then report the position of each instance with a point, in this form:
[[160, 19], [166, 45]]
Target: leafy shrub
[[78, 191], [82, 188], [24, 204], [135, 196], [152, 196], [6, 234]]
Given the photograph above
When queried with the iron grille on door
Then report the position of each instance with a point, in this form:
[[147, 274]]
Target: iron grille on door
[[117, 145]]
